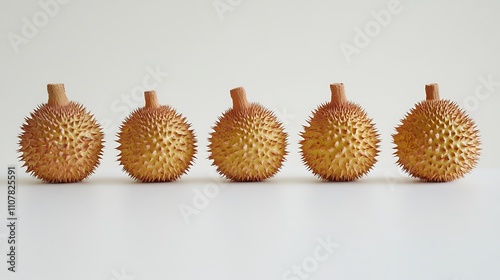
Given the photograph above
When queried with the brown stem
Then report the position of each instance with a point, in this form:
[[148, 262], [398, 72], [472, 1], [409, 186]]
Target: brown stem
[[239, 97], [432, 92], [57, 95], [338, 93], [151, 99]]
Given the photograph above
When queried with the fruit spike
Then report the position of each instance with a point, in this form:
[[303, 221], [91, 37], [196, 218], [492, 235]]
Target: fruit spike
[[437, 141], [157, 144], [248, 142], [60, 141], [341, 142]]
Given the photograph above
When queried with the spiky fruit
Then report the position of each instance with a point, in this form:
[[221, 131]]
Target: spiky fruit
[[340, 142], [157, 144], [60, 141], [248, 142], [437, 141]]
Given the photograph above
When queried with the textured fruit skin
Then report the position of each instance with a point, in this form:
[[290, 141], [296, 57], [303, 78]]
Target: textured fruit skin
[[437, 141], [340, 142], [248, 145], [156, 144], [61, 144]]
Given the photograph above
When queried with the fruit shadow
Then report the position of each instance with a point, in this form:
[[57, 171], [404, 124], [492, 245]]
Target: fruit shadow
[[364, 181], [135, 183], [395, 182]]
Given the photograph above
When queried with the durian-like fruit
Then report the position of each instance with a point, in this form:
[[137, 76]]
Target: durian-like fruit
[[248, 142], [61, 142], [157, 144], [437, 141], [340, 142]]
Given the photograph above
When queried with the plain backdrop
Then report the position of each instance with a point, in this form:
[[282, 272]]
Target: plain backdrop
[[285, 54]]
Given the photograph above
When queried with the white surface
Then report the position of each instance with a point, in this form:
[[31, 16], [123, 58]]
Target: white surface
[[284, 52], [387, 226]]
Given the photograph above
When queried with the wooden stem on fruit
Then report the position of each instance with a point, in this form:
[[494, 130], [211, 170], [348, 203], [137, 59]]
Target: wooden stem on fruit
[[151, 99], [239, 97], [57, 95], [432, 92], [338, 93]]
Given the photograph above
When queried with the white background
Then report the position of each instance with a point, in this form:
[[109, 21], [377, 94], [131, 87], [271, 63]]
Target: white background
[[285, 53]]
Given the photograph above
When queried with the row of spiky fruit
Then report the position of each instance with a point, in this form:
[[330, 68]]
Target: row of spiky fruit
[[62, 142]]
